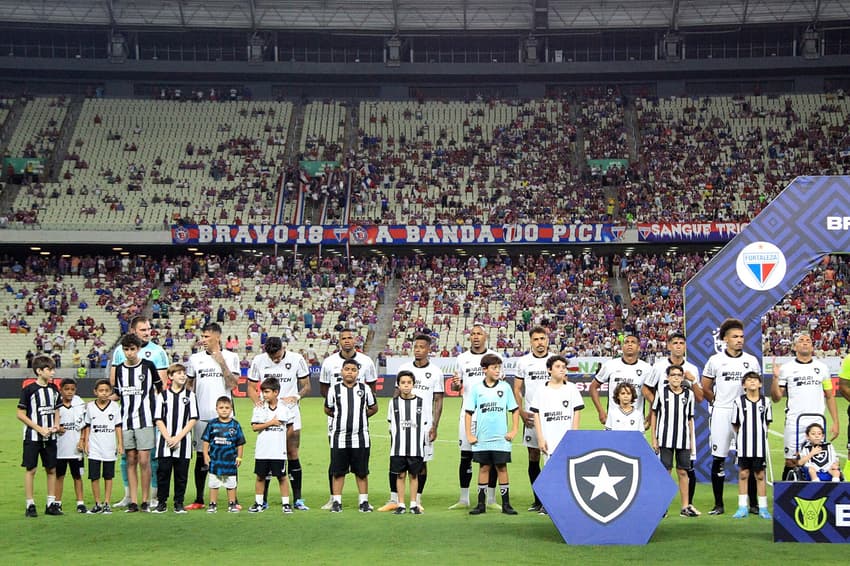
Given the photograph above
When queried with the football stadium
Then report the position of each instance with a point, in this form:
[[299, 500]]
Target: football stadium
[[250, 193]]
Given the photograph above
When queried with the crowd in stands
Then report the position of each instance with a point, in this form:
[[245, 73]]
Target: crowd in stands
[[74, 305], [603, 119], [819, 305], [304, 301], [75, 308], [146, 164], [496, 161], [725, 158], [425, 162]]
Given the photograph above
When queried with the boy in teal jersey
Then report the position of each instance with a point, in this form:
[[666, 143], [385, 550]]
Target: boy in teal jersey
[[489, 403]]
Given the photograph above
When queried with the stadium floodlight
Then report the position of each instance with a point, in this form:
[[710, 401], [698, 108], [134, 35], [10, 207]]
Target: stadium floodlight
[[394, 51], [117, 48], [672, 46], [530, 45], [810, 46], [256, 47]]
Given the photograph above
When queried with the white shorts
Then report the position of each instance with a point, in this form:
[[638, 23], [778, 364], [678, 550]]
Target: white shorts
[[228, 482], [529, 437], [465, 446], [722, 434], [296, 416], [794, 437]]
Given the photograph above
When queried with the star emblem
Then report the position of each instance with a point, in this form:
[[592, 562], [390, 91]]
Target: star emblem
[[603, 483]]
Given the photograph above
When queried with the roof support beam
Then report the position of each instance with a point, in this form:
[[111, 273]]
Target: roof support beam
[[395, 17], [674, 16], [111, 12]]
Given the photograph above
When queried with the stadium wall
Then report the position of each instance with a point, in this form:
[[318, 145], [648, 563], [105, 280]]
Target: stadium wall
[[375, 80]]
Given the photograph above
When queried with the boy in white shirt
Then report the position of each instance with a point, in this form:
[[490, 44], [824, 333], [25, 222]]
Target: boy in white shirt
[[270, 421]]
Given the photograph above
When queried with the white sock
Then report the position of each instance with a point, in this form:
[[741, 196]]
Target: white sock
[[362, 497], [464, 494], [284, 500], [51, 499], [762, 501], [743, 500], [258, 498], [394, 497], [491, 495], [337, 498], [30, 502]]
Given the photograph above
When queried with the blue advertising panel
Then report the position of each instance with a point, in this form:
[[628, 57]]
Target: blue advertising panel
[[810, 218], [811, 512]]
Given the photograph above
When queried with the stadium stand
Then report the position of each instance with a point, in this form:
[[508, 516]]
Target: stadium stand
[[142, 164], [725, 158], [466, 162], [88, 300]]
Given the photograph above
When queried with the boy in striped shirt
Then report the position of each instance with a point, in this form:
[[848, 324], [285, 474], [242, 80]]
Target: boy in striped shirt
[[672, 424], [350, 404], [136, 383], [408, 428], [175, 415], [38, 409], [751, 418]]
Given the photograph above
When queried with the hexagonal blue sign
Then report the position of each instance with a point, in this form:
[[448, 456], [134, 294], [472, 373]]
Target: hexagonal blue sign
[[605, 487]]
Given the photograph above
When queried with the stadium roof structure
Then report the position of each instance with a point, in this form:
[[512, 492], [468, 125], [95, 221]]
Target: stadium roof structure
[[419, 16]]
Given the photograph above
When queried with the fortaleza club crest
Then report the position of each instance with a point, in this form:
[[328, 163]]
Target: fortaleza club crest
[[604, 483], [761, 266]]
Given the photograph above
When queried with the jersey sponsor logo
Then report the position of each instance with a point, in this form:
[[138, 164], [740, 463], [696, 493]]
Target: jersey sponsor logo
[[604, 483], [810, 514], [556, 416], [761, 266]]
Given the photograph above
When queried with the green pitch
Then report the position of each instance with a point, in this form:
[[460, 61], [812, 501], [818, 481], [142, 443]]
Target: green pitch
[[318, 537]]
